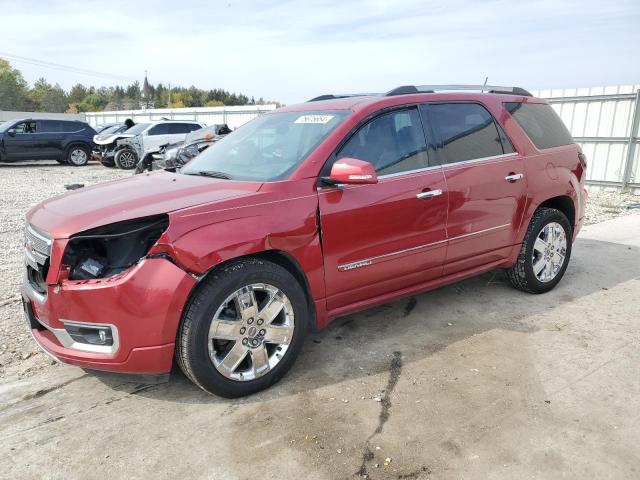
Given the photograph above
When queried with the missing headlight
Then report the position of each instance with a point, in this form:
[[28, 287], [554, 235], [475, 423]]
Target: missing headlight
[[111, 249]]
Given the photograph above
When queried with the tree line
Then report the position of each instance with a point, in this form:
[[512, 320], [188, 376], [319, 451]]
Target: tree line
[[16, 94]]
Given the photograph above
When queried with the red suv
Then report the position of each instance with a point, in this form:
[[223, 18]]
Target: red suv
[[302, 215]]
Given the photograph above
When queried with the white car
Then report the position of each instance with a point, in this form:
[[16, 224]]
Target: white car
[[133, 144]]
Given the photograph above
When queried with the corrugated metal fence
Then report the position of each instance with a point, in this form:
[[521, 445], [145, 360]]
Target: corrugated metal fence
[[232, 116], [605, 122]]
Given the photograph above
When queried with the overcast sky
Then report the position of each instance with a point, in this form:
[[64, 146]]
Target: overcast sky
[[293, 50]]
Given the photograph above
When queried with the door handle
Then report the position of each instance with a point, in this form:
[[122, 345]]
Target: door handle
[[514, 177], [429, 194]]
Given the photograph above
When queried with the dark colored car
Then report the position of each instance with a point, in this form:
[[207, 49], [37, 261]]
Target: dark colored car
[[67, 141], [300, 216]]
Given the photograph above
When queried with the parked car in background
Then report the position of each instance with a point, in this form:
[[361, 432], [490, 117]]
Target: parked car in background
[[176, 155], [130, 146], [66, 141], [299, 217], [105, 143]]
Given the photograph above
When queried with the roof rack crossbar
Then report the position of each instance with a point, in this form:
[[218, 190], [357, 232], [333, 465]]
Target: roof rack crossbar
[[407, 89]]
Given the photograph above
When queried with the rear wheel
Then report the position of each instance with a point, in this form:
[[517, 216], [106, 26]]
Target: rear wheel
[[126, 159], [78, 155], [243, 329], [544, 254]]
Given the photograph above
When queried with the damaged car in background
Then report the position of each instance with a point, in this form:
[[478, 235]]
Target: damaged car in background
[[108, 146], [175, 155], [125, 149]]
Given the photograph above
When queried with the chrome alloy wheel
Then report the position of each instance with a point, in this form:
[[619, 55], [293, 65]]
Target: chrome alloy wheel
[[549, 252], [78, 156], [251, 331]]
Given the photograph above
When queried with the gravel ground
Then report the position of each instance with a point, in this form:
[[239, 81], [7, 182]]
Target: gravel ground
[[23, 185]]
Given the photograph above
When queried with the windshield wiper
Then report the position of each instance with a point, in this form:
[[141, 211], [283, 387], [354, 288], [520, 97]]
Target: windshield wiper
[[212, 174]]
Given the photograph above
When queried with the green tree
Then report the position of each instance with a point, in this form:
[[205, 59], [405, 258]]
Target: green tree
[[13, 88], [49, 98], [78, 93]]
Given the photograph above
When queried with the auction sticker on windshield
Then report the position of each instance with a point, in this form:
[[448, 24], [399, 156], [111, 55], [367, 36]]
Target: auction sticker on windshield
[[313, 119]]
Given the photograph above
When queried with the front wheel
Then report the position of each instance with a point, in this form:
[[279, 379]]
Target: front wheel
[[243, 329], [544, 254], [126, 159]]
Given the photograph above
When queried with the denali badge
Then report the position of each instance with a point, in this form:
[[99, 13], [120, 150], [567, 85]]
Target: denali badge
[[351, 266]]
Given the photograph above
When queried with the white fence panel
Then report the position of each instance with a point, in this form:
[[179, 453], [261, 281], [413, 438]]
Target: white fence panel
[[232, 116], [605, 122]]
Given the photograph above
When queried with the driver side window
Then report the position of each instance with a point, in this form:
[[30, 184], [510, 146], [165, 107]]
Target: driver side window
[[392, 143], [25, 127]]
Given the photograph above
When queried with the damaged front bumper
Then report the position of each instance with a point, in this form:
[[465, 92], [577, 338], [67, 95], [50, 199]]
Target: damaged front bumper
[[125, 323]]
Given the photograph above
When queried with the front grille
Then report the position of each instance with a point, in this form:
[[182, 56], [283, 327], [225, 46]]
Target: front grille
[[37, 248]]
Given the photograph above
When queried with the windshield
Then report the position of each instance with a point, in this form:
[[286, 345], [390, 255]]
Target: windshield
[[268, 148], [110, 130], [137, 128], [6, 125]]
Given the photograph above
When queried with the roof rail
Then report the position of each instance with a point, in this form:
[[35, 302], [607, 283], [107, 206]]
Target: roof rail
[[342, 95], [408, 89]]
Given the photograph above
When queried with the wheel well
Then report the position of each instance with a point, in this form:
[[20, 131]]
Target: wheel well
[[287, 262], [76, 144], [564, 204]]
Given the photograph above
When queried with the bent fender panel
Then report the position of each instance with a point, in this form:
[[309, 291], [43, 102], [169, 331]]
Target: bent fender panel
[[268, 227]]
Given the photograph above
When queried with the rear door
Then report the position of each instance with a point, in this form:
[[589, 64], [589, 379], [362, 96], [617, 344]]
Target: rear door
[[51, 135], [391, 235], [485, 182], [22, 144], [156, 136]]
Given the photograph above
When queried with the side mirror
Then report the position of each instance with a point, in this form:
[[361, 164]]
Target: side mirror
[[350, 171], [11, 132]]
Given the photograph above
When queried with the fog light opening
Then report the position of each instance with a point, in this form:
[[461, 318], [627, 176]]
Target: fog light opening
[[98, 335]]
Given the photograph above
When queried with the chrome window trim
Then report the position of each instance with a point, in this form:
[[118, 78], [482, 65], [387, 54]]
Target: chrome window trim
[[369, 261], [409, 172], [482, 159]]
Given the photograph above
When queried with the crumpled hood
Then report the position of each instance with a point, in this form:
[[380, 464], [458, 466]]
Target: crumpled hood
[[133, 197], [110, 138]]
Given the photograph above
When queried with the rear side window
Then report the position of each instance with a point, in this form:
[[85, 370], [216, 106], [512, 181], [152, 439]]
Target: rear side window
[[464, 131], [176, 128], [393, 143], [541, 123], [160, 129], [72, 126], [52, 126]]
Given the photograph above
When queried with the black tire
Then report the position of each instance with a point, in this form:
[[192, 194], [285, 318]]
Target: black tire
[[192, 350], [126, 159], [78, 155], [108, 162], [522, 275]]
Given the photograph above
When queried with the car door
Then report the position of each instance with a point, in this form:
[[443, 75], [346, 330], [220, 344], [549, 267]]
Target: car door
[[156, 136], [387, 236], [50, 138], [485, 181], [20, 141]]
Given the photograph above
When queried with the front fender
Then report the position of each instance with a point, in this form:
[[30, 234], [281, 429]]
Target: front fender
[[269, 227]]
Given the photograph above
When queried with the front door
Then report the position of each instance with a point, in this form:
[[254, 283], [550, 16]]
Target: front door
[[485, 181], [22, 143], [391, 235]]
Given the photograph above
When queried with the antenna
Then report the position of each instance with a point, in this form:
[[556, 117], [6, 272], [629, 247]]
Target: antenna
[[486, 79]]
